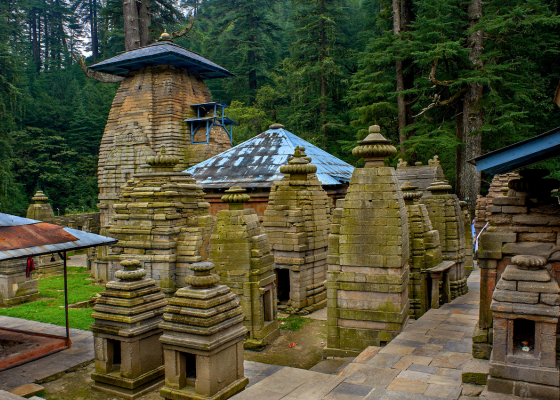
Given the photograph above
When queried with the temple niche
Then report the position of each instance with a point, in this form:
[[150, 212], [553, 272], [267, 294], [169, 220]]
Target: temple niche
[[163, 87]]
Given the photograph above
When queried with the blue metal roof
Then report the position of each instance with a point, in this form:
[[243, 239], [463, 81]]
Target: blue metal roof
[[520, 154], [257, 162], [161, 53]]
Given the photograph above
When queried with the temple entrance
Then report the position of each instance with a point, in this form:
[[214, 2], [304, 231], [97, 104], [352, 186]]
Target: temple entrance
[[283, 285]]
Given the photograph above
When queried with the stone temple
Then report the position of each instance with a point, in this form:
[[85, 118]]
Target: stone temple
[[163, 87]]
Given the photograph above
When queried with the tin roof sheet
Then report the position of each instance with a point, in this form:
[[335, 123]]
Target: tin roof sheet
[[161, 53], [23, 237], [257, 162]]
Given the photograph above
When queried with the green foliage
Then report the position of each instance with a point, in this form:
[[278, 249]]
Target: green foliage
[[293, 323], [49, 309]]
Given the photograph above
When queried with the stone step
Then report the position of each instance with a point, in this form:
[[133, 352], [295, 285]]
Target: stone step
[[476, 371], [9, 396], [30, 389]]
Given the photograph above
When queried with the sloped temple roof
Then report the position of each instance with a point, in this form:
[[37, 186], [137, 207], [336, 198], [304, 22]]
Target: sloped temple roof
[[257, 162], [24, 237], [161, 53]]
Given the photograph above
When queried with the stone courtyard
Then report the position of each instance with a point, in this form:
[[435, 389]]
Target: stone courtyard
[[376, 295]]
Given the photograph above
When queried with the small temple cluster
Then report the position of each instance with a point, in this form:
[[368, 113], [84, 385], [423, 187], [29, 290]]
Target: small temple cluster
[[214, 241]]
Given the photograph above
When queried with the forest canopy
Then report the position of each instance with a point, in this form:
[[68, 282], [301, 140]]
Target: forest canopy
[[455, 78]]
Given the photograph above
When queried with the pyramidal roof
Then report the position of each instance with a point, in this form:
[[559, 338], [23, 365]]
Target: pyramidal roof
[[161, 53], [257, 162]]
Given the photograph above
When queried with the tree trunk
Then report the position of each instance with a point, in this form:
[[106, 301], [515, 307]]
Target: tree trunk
[[468, 178], [252, 58], [401, 104], [131, 31], [144, 22], [323, 56], [93, 29], [35, 42]]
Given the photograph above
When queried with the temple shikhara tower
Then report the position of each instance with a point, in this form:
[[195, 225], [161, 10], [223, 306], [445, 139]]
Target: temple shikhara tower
[[163, 101], [368, 270]]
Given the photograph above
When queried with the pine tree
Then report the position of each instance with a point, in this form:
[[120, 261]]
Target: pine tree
[[314, 71]]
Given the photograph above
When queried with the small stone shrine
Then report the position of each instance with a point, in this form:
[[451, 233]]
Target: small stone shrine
[[425, 250], [128, 355], [15, 287], [526, 310], [447, 217], [162, 220], [526, 221], [240, 250], [368, 273], [203, 340], [297, 224], [41, 210], [420, 175]]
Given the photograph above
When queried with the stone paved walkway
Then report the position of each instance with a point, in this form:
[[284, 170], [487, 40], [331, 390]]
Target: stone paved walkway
[[38, 371], [423, 363]]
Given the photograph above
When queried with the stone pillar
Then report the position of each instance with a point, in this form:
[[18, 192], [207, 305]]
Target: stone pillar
[[296, 222], [368, 273], [467, 221], [128, 355], [425, 250], [15, 287], [525, 306], [447, 217], [162, 220], [240, 250], [203, 340]]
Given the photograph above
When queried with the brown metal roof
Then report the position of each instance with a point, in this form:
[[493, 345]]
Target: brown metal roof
[[16, 237]]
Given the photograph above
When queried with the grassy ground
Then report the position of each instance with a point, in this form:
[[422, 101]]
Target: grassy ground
[[52, 296]]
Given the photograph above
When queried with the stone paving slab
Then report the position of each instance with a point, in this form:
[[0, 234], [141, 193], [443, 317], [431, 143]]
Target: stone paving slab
[[38, 371], [424, 362]]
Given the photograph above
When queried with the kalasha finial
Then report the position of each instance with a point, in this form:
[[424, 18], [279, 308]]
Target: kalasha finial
[[165, 37], [374, 148], [299, 165], [130, 271], [162, 162], [439, 187], [202, 278], [410, 193], [39, 197], [434, 161], [529, 262], [236, 196]]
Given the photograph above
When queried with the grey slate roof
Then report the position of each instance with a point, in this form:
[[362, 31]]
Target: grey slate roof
[[257, 162], [161, 53]]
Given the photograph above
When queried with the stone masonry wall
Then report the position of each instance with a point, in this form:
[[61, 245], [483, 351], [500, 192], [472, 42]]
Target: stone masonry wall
[[161, 220], [297, 224], [241, 252], [525, 222], [149, 112], [447, 217], [368, 272]]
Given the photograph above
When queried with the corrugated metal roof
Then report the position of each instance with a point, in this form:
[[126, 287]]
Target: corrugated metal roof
[[161, 53], [23, 237], [257, 162], [521, 154]]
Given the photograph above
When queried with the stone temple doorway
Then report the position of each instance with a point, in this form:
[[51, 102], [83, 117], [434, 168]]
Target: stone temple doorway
[[283, 285]]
